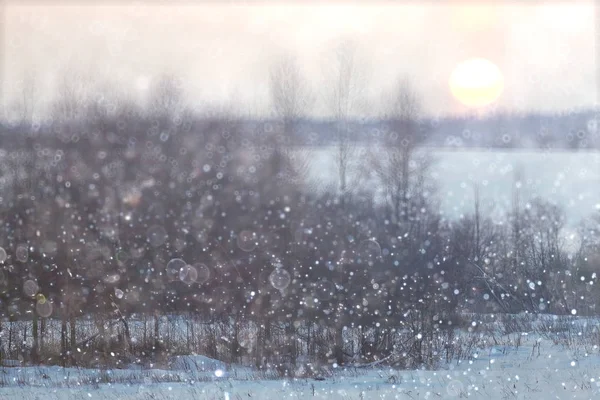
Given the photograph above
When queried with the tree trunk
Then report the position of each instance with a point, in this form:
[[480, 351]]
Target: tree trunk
[[267, 339], [405, 186], [234, 345], [338, 347], [10, 332], [102, 330], [127, 332], [42, 333], [291, 341], [187, 333], [73, 344], [156, 331], [145, 337], [23, 343], [35, 349], [193, 337], [63, 338], [308, 343]]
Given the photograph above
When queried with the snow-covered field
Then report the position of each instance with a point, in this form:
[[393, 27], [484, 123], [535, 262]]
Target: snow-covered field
[[567, 178], [516, 366]]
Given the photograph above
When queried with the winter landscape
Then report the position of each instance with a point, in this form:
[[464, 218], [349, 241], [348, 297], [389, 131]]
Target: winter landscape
[[272, 201]]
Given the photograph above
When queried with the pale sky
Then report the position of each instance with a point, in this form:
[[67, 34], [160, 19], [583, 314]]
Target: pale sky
[[222, 50]]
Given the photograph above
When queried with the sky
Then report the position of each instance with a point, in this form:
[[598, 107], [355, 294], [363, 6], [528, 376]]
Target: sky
[[222, 50]]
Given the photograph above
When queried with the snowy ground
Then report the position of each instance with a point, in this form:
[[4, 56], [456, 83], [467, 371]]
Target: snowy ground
[[536, 369]]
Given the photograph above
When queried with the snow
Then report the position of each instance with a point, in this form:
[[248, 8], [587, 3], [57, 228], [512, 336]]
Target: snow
[[520, 366], [199, 364]]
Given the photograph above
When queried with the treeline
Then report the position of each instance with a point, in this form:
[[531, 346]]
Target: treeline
[[572, 132]]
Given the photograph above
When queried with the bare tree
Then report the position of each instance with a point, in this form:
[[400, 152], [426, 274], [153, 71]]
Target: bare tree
[[72, 96], [291, 99], [291, 96], [25, 103], [166, 99], [395, 160], [347, 80]]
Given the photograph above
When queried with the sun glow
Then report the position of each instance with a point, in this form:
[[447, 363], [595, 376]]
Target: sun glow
[[476, 82]]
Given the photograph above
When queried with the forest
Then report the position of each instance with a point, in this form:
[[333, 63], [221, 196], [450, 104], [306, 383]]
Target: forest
[[134, 232]]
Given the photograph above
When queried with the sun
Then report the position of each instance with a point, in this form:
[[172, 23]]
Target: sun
[[476, 82]]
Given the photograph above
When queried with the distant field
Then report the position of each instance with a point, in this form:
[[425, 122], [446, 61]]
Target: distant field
[[570, 179]]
